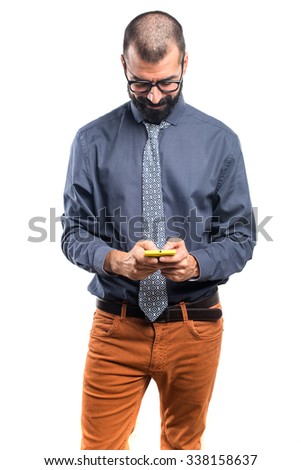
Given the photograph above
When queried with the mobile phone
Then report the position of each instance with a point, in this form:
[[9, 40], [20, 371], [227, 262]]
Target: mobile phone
[[158, 253]]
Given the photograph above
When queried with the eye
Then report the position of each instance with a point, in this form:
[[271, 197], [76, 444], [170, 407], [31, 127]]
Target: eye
[[168, 86], [139, 87]]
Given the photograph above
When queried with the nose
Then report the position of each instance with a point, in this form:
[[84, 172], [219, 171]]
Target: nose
[[154, 95]]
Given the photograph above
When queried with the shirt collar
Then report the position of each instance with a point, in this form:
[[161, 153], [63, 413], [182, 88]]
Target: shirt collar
[[172, 118]]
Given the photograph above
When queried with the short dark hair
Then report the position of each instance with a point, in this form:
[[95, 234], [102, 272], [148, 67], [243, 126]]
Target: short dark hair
[[152, 34]]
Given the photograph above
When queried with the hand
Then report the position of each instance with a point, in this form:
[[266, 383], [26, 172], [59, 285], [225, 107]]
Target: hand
[[132, 264], [181, 266]]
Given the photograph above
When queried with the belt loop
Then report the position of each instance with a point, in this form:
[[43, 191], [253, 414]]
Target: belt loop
[[184, 311], [123, 309]]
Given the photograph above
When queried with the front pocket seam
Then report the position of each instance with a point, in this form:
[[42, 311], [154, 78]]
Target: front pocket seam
[[96, 330], [195, 333]]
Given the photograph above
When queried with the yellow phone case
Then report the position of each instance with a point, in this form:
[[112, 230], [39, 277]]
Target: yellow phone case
[[159, 253]]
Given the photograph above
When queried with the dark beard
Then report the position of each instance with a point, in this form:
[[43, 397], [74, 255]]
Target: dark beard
[[152, 114]]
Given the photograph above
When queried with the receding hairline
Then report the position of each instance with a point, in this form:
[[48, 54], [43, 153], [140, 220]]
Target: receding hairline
[[153, 34]]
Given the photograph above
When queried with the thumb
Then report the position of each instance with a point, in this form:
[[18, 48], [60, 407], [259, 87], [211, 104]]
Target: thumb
[[147, 244], [173, 243]]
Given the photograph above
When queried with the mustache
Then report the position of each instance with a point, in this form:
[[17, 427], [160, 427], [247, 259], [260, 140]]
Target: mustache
[[146, 102]]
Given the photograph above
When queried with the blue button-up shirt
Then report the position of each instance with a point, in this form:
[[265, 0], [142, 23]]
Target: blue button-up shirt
[[205, 194]]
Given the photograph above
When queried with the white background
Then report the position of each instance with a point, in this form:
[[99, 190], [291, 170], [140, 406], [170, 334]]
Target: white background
[[60, 69]]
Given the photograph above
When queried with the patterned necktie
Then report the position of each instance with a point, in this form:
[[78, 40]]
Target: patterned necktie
[[152, 292]]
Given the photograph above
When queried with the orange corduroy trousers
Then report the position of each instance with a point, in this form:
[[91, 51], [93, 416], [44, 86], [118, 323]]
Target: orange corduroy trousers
[[124, 354]]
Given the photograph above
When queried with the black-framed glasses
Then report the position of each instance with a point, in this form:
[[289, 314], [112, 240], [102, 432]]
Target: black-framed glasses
[[145, 86]]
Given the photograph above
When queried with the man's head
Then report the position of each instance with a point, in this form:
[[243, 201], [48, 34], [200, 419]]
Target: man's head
[[154, 61]]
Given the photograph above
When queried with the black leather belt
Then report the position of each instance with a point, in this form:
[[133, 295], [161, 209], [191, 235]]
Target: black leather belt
[[199, 310]]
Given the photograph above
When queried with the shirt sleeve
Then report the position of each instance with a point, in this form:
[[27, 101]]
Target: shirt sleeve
[[233, 231], [80, 242]]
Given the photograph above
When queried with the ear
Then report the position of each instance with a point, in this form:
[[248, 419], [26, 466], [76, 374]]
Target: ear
[[185, 63], [123, 62]]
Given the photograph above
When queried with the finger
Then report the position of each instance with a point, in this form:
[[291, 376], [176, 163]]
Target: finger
[[170, 259], [173, 243], [175, 277], [172, 270], [146, 260], [180, 255], [139, 250], [146, 244]]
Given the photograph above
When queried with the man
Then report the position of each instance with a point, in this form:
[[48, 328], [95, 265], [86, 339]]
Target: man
[[155, 174]]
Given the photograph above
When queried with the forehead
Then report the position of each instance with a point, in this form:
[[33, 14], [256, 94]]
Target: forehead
[[167, 66]]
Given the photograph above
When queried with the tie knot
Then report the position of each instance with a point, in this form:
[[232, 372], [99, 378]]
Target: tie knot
[[154, 129]]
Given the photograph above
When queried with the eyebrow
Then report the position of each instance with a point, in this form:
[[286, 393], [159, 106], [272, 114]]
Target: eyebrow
[[171, 77]]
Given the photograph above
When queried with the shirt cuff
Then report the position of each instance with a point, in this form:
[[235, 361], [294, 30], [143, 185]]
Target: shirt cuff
[[99, 259], [205, 265], [193, 279]]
